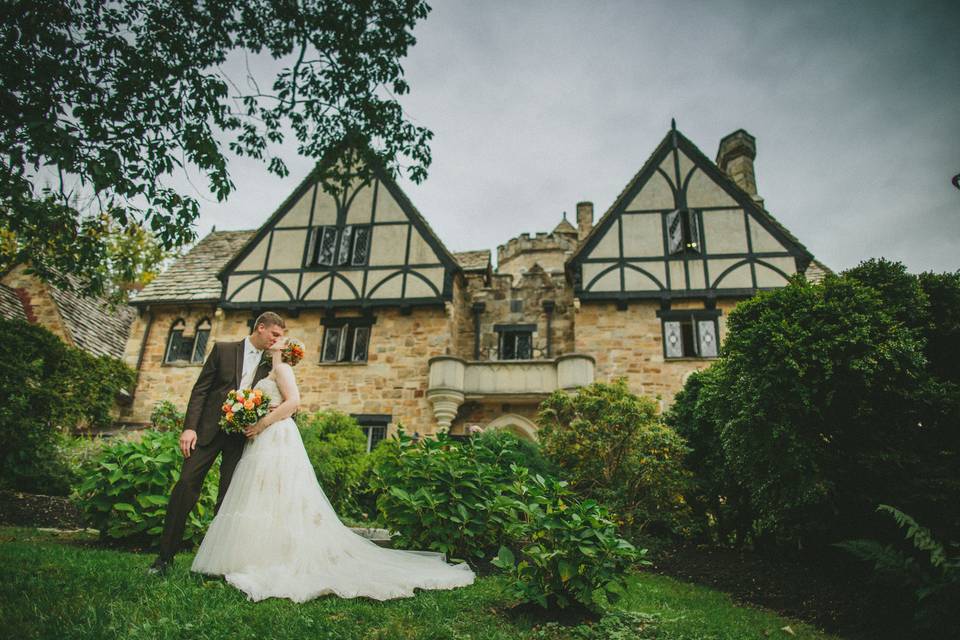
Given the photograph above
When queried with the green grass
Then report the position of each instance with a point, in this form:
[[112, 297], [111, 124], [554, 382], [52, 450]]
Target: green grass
[[52, 589]]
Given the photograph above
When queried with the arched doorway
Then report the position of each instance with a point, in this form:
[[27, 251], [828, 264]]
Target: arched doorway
[[517, 425]]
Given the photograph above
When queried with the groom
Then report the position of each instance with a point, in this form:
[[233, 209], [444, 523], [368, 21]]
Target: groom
[[230, 365]]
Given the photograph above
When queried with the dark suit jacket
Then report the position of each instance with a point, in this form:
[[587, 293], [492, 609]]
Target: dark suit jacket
[[221, 373]]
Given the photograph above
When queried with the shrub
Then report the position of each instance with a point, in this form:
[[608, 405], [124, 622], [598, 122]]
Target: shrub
[[53, 389], [929, 572], [336, 447], [437, 494], [820, 406], [568, 550], [125, 490], [166, 417], [369, 491], [505, 448], [613, 448]]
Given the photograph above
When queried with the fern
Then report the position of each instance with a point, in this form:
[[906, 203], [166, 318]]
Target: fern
[[922, 539], [935, 585]]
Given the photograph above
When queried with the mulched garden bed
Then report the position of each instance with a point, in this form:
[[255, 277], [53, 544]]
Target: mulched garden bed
[[18, 509], [828, 590]]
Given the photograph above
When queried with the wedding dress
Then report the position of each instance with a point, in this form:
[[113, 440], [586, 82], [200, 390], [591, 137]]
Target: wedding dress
[[276, 534]]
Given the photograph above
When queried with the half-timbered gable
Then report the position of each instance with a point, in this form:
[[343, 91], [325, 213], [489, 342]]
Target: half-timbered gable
[[682, 228], [360, 246]]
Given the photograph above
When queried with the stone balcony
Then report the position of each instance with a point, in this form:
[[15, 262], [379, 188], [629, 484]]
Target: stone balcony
[[454, 380]]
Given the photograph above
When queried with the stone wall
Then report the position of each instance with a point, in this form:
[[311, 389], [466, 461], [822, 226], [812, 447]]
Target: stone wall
[[549, 250], [530, 290], [392, 381], [37, 302], [629, 343]]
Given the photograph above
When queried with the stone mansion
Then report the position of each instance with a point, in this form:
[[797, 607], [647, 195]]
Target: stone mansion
[[399, 330]]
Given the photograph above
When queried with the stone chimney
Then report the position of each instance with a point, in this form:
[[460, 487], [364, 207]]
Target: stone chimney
[[584, 219], [735, 157]]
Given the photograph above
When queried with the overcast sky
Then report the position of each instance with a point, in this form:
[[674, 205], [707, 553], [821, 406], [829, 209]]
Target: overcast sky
[[538, 105]]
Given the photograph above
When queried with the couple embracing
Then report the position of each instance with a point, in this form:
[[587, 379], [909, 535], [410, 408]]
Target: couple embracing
[[275, 534]]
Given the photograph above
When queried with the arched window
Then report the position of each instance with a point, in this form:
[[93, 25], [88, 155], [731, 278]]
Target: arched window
[[201, 339], [183, 347]]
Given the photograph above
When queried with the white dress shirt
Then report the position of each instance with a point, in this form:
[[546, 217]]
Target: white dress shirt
[[251, 359]]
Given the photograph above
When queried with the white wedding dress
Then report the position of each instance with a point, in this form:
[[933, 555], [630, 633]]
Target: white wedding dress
[[276, 534]]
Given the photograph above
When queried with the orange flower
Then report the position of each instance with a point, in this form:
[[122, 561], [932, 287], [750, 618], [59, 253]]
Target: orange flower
[[248, 404], [226, 408], [229, 416], [258, 392], [257, 400]]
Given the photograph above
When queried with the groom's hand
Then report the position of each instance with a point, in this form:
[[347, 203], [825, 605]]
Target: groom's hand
[[188, 442]]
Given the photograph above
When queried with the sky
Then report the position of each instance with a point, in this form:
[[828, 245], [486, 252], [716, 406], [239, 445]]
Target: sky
[[536, 106]]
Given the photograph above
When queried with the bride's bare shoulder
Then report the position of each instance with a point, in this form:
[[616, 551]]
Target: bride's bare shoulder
[[283, 369]]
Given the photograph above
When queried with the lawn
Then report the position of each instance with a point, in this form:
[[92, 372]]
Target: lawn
[[56, 586]]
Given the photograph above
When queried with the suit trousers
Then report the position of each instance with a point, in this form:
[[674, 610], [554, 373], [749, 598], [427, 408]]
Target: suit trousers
[[186, 492]]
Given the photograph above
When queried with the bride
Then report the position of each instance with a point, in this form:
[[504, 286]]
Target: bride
[[276, 534]]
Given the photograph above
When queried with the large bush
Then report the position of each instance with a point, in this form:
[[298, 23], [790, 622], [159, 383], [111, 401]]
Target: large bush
[[51, 389], [611, 446], [504, 448], [438, 494], [822, 405], [558, 549], [336, 447], [126, 488]]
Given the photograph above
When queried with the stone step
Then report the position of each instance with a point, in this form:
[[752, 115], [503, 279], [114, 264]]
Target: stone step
[[379, 536]]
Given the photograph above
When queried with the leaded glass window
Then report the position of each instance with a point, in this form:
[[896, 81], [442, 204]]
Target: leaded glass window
[[200, 341], [516, 345], [328, 246], [345, 236], [361, 246], [347, 342], [361, 336], [690, 336], [707, 338], [331, 344], [683, 231], [187, 348]]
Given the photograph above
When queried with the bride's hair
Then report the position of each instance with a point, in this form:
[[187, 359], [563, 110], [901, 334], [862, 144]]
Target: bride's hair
[[292, 352]]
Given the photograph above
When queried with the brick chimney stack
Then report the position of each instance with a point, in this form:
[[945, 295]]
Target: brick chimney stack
[[584, 219], [735, 157]]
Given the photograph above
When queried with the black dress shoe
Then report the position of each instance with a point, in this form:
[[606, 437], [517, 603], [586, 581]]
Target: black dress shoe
[[161, 566]]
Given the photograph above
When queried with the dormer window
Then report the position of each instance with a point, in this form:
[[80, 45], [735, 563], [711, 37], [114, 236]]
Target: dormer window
[[331, 246], [683, 231]]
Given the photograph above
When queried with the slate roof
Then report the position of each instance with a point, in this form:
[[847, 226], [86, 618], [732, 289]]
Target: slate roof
[[10, 305], [193, 278], [565, 227], [473, 260], [94, 326]]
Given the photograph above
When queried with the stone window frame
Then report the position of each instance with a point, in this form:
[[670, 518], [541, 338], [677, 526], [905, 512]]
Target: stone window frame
[[503, 330], [374, 427], [701, 338], [197, 343], [347, 350], [341, 254]]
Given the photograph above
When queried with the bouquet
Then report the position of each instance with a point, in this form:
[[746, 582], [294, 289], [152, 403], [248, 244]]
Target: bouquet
[[242, 408]]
